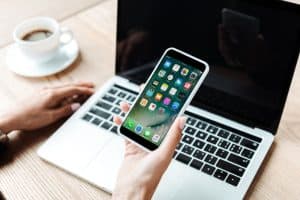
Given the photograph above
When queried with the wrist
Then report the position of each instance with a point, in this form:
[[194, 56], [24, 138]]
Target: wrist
[[131, 193]]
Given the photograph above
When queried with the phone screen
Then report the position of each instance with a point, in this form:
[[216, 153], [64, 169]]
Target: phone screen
[[161, 100]]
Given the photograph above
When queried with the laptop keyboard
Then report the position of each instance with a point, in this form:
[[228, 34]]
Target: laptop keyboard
[[212, 148]]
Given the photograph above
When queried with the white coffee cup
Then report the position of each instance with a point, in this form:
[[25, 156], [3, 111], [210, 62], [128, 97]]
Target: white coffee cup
[[45, 49]]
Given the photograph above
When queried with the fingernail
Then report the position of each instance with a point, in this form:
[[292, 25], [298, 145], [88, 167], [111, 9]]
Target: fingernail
[[182, 121], [75, 106]]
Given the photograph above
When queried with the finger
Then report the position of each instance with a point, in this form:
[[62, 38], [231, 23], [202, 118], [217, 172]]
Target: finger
[[124, 106], [65, 111], [117, 120], [172, 138], [60, 94], [79, 83]]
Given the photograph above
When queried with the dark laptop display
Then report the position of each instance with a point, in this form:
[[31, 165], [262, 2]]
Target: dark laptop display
[[251, 46]]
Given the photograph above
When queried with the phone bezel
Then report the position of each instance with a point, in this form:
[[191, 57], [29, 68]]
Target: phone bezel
[[185, 58]]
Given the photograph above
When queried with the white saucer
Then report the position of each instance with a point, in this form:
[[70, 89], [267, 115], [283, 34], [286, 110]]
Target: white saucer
[[24, 66]]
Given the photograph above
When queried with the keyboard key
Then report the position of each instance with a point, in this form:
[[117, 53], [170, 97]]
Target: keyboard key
[[113, 91], [132, 99], [247, 153], [211, 159], [224, 134], [188, 149], [199, 154], [187, 139], [235, 138], [201, 135], [235, 148], [87, 117], [121, 95], [183, 158], [179, 145], [116, 110], [201, 125], [220, 174], [250, 144], [96, 121], [238, 160], [128, 98], [109, 98], [103, 105], [233, 180], [212, 129], [224, 144], [122, 114], [212, 139], [190, 130], [239, 171], [196, 164], [118, 102], [175, 154], [222, 153], [190, 121], [210, 148], [198, 144], [106, 125], [208, 169], [114, 129], [100, 113]]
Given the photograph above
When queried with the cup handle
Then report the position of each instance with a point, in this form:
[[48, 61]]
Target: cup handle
[[66, 36]]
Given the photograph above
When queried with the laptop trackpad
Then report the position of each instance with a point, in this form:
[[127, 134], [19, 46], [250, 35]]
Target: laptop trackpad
[[104, 169]]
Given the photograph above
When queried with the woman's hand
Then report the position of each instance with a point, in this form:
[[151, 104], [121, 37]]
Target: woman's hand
[[46, 107], [141, 172]]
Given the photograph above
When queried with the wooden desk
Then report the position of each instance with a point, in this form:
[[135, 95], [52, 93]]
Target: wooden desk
[[24, 176]]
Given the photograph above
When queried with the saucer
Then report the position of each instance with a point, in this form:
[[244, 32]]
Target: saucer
[[24, 66]]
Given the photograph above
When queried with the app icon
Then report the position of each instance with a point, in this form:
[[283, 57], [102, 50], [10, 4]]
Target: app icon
[[167, 64], [158, 96], [150, 92], [161, 110], [155, 83], [147, 133], [172, 91], [181, 95], [130, 123], [178, 82], [152, 106], [138, 129], [170, 77], [184, 71], [175, 105], [193, 75], [161, 73], [176, 67], [167, 101], [164, 87], [187, 85], [143, 102], [155, 138]]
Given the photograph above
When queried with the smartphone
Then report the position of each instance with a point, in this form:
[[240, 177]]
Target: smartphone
[[169, 90]]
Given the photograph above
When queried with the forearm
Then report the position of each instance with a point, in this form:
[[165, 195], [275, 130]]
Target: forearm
[[131, 194]]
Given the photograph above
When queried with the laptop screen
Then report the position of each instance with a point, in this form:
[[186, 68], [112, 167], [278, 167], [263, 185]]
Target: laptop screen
[[251, 46]]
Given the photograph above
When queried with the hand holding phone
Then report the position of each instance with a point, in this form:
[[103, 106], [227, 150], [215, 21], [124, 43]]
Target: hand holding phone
[[170, 88]]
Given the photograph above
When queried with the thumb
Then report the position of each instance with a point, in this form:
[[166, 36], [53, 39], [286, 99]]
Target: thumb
[[66, 110], [172, 138]]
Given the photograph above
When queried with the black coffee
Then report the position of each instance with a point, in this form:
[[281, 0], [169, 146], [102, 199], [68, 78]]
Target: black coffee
[[37, 35]]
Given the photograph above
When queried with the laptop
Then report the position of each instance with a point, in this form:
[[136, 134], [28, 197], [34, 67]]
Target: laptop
[[252, 48]]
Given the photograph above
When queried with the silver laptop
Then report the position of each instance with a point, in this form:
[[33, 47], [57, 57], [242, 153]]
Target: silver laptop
[[252, 48]]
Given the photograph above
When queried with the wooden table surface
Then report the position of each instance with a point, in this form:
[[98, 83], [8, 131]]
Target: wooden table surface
[[24, 176]]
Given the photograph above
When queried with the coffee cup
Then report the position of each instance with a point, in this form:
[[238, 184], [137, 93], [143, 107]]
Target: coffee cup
[[40, 38]]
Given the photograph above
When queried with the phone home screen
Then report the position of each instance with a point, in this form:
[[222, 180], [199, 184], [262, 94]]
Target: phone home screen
[[162, 99]]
